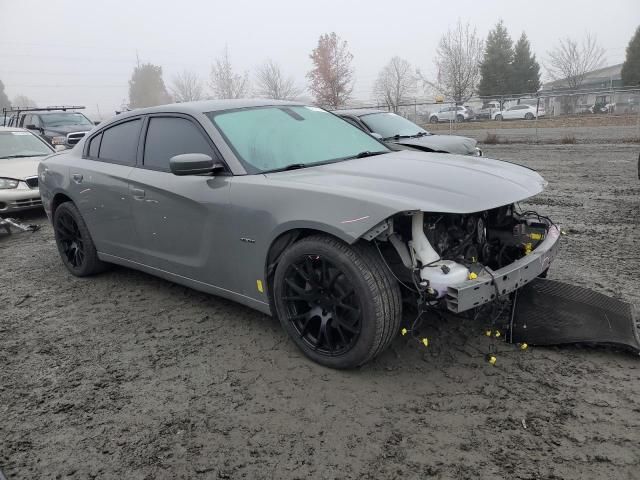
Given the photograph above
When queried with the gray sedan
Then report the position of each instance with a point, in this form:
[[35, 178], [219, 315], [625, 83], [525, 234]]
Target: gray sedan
[[292, 211], [393, 128]]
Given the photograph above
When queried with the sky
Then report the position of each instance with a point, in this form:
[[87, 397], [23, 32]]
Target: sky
[[83, 51]]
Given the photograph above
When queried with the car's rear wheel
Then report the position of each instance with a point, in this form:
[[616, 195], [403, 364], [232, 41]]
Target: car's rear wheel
[[74, 242], [339, 303], [528, 116], [499, 118], [433, 119]]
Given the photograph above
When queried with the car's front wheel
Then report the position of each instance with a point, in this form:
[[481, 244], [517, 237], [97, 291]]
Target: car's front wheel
[[433, 119], [528, 116], [338, 302], [74, 242], [460, 118], [499, 118]]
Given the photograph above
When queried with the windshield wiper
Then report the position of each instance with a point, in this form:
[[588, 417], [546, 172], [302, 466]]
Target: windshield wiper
[[397, 136], [26, 156], [421, 134], [292, 166], [365, 154]]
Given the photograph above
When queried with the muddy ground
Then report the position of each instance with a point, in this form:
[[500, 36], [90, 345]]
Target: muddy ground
[[127, 376]]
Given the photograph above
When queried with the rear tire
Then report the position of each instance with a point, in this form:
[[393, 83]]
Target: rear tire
[[76, 248], [338, 302], [528, 116], [499, 118]]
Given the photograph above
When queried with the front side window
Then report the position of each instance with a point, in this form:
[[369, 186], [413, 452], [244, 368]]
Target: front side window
[[275, 137], [170, 136], [22, 144], [120, 143], [389, 125]]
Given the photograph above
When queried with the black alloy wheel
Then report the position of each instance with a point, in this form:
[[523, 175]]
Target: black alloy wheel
[[321, 305], [339, 303], [72, 245], [75, 245]]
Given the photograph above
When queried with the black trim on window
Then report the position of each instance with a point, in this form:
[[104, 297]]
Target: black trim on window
[[217, 157], [85, 147]]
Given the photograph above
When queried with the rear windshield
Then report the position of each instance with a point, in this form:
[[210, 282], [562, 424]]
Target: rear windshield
[[274, 137]]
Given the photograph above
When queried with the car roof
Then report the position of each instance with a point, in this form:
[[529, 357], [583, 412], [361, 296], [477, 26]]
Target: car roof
[[358, 112], [205, 106]]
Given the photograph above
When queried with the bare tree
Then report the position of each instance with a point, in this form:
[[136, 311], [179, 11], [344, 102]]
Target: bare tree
[[571, 60], [331, 79], [396, 83], [22, 101], [271, 82], [224, 81], [186, 87], [458, 58]]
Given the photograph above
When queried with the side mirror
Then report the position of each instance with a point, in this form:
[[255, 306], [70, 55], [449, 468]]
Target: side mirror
[[376, 135], [60, 148], [31, 126], [193, 164]]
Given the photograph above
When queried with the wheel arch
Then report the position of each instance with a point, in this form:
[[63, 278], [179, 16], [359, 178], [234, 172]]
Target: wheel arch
[[58, 199]]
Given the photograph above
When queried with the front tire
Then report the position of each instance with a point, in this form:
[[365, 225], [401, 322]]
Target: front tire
[[338, 302], [433, 119], [76, 248], [460, 118], [499, 118], [528, 116]]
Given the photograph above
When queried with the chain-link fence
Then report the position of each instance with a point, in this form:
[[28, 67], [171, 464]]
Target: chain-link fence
[[562, 116]]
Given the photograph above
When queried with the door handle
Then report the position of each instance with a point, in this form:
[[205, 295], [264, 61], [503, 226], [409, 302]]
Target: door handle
[[138, 193], [77, 177]]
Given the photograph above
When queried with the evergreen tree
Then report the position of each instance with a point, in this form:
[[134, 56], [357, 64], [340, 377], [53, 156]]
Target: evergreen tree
[[495, 69], [631, 65], [146, 87], [525, 70], [4, 100]]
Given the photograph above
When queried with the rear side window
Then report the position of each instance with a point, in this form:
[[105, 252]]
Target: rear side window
[[94, 146], [170, 136], [120, 143]]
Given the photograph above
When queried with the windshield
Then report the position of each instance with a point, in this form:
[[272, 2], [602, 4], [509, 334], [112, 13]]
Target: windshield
[[275, 137], [64, 118], [22, 144], [390, 125]]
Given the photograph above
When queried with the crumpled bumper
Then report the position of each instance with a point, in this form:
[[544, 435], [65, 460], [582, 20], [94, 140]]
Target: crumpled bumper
[[473, 293]]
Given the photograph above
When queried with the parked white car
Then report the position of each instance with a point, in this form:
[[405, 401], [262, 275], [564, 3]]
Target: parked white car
[[456, 114], [20, 155], [519, 112]]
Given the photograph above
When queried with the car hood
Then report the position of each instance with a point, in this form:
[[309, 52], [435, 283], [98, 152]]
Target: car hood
[[409, 180], [442, 143], [64, 129], [19, 168]]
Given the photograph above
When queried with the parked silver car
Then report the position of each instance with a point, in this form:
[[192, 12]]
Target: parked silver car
[[20, 154], [452, 114], [292, 211]]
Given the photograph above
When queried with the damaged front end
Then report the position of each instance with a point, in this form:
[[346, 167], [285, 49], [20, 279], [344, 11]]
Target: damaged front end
[[462, 261]]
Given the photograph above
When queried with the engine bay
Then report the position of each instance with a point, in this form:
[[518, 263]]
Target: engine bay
[[446, 249]]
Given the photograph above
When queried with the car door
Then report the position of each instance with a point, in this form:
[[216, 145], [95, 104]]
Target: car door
[[511, 113], [179, 220], [100, 188]]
